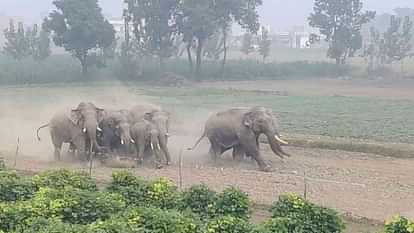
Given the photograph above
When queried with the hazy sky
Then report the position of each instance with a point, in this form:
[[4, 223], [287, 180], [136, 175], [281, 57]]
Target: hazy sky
[[280, 14]]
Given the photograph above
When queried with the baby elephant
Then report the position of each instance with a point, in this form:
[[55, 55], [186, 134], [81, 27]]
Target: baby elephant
[[147, 136]]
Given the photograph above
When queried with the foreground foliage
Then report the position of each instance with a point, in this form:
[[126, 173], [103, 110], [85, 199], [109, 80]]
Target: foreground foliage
[[66, 201]]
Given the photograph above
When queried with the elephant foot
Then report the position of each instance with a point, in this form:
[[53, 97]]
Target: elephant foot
[[266, 169], [168, 163], [159, 166], [140, 161]]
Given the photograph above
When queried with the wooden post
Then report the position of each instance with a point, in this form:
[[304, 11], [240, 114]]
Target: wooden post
[[180, 169], [17, 152], [90, 163], [305, 183]]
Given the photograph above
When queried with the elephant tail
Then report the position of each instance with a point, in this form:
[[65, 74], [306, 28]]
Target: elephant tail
[[198, 142], [41, 127]]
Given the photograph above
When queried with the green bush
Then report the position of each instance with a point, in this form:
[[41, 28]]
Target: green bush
[[163, 194], [233, 202], [282, 225], [229, 224], [399, 225], [200, 200], [13, 215], [64, 178], [14, 187], [74, 205], [313, 218], [43, 225], [129, 186]]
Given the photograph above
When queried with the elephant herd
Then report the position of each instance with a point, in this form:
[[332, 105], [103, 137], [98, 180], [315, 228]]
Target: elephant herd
[[144, 129]]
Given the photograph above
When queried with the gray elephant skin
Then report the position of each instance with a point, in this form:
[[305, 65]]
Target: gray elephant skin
[[148, 137], [115, 135], [90, 116], [65, 128], [239, 129]]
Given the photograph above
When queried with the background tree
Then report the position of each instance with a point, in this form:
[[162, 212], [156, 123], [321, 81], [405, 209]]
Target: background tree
[[155, 26], [79, 27], [398, 40], [340, 21], [39, 42], [247, 44], [265, 43], [17, 44]]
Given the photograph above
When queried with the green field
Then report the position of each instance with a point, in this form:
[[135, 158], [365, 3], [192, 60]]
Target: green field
[[334, 116]]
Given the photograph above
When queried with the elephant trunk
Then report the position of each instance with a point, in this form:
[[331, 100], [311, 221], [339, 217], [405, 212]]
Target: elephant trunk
[[91, 128], [163, 141], [275, 145]]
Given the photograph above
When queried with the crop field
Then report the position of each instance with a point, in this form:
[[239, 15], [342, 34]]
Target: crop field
[[370, 186]]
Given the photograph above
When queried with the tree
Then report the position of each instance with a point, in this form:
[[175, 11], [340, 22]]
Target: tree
[[247, 44], [340, 21], [264, 44], [375, 50], [17, 44], [80, 28], [155, 26], [398, 39], [39, 43]]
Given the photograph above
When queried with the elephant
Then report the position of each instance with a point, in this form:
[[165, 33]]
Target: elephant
[[115, 133], [65, 128], [155, 114], [89, 117], [147, 136], [239, 129]]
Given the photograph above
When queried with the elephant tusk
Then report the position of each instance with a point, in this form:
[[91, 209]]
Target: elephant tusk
[[84, 130], [122, 142], [167, 134], [281, 141], [152, 146], [99, 129], [158, 146], [132, 141]]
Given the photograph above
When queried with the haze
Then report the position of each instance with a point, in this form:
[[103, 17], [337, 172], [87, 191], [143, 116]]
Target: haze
[[279, 14]]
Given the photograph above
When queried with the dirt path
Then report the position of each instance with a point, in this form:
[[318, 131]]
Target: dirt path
[[360, 184]]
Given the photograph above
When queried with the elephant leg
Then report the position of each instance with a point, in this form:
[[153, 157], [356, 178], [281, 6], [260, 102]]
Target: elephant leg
[[249, 144], [238, 153], [164, 149], [158, 160], [57, 152]]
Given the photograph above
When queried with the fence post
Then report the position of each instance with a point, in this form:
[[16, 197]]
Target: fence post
[[17, 152], [305, 189], [180, 169]]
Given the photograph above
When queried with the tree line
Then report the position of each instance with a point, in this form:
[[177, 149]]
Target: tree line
[[200, 28]]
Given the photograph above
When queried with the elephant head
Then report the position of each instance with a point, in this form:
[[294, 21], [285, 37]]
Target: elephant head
[[262, 121], [89, 117]]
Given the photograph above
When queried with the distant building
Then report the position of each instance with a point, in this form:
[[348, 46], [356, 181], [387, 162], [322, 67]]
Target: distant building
[[119, 27]]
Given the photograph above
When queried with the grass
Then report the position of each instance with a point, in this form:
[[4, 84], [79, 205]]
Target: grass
[[344, 117]]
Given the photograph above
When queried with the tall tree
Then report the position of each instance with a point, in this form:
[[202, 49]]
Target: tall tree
[[264, 43], [17, 43], [340, 21], [80, 28], [39, 43], [247, 44], [398, 40], [155, 26]]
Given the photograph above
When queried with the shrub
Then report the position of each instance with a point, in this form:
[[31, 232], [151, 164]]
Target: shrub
[[200, 200], [63, 178], [282, 225], [313, 218], [163, 194], [399, 225], [130, 187], [13, 215], [229, 224], [75, 206], [43, 225], [14, 187], [233, 202]]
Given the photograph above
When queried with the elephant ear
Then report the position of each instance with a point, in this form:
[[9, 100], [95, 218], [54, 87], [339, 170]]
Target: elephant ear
[[76, 116], [248, 119], [100, 114]]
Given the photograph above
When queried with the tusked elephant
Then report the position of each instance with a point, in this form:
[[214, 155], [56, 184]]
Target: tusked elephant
[[239, 129], [90, 116], [65, 128], [155, 114], [115, 133], [148, 138]]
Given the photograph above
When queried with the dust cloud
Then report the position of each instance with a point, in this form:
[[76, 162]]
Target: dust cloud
[[23, 110]]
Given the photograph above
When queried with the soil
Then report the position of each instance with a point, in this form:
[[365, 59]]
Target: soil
[[360, 185]]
